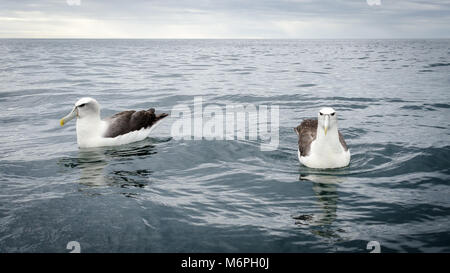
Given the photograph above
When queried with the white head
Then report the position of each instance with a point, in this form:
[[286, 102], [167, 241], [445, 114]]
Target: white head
[[84, 108], [327, 120]]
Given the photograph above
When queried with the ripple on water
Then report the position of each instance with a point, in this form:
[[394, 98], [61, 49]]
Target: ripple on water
[[225, 195]]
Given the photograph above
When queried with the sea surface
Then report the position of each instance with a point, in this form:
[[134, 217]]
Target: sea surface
[[165, 194]]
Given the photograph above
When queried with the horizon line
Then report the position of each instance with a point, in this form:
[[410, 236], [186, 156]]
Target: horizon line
[[230, 38]]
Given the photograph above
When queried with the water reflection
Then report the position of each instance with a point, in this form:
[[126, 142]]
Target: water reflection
[[92, 165], [129, 150], [325, 190], [135, 178], [103, 166]]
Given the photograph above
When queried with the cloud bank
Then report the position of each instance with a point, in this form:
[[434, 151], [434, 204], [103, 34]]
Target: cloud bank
[[301, 19]]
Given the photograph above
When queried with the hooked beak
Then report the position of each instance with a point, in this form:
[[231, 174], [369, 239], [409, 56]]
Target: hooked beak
[[326, 123], [70, 116]]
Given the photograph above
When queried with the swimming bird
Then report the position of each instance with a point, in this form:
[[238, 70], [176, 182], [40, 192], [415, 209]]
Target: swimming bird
[[121, 128], [320, 144]]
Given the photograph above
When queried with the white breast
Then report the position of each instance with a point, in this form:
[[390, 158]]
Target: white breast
[[325, 155]]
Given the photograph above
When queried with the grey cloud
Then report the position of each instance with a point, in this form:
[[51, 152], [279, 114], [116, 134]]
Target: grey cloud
[[350, 17]]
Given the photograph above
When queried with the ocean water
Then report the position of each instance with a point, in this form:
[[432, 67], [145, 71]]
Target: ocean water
[[169, 195]]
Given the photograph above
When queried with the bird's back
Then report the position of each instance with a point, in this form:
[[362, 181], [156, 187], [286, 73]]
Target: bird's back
[[129, 121]]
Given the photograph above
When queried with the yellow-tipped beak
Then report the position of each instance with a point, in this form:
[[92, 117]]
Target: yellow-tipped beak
[[326, 123], [72, 115]]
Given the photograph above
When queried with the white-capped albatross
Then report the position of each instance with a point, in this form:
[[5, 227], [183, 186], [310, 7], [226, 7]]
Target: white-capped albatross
[[121, 128], [320, 144]]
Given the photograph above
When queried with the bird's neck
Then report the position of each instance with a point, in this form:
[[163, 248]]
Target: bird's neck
[[332, 133], [329, 142], [89, 128]]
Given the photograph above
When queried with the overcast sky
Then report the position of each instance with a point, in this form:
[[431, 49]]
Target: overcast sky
[[302, 19]]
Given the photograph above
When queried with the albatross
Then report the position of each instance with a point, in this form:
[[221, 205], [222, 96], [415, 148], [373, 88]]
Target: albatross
[[320, 144], [121, 128]]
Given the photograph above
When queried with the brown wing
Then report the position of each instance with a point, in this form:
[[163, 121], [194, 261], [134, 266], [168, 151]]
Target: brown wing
[[128, 121], [341, 139], [306, 132]]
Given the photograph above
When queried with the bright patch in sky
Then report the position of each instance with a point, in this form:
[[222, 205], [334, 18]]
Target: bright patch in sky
[[225, 19]]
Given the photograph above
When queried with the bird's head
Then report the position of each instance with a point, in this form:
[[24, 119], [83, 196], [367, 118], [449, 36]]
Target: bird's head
[[327, 119], [84, 107]]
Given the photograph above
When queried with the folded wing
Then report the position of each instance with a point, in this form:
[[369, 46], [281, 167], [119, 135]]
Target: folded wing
[[306, 132], [129, 121]]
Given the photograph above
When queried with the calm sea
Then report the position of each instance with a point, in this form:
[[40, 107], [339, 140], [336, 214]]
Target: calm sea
[[168, 195]]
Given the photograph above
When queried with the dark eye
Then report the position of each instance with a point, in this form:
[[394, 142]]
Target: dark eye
[[81, 105], [321, 113], [332, 114]]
